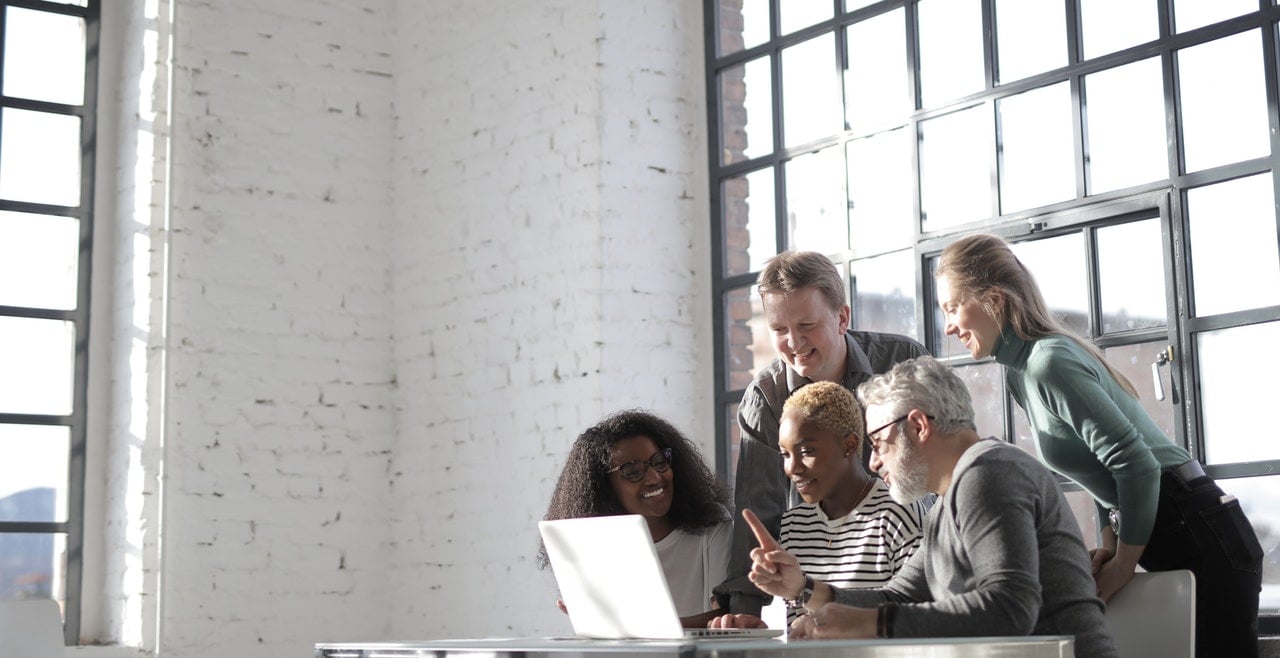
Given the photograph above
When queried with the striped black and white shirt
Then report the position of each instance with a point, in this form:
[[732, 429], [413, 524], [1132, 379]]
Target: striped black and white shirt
[[863, 548]]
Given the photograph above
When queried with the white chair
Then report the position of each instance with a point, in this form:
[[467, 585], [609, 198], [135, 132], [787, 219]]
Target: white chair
[[31, 629], [1155, 615]]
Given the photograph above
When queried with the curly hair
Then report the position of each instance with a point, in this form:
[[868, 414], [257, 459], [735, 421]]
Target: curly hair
[[584, 487], [831, 407]]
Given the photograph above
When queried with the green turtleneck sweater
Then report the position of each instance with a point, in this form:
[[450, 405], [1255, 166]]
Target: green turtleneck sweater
[[1088, 428]]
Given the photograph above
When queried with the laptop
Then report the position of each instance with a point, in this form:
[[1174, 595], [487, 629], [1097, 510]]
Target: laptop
[[612, 582]]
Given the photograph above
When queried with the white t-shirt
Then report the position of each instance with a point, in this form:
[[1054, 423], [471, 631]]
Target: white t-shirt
[[693, 564]]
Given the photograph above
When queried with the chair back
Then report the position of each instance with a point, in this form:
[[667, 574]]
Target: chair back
[[31, 628], [1155, 615]]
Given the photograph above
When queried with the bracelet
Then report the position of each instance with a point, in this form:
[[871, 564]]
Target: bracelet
[[806, 593], [884, 620]]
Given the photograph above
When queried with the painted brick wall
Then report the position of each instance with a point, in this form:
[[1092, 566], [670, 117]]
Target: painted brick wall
[[549, 269], [416, 248], [280, 419]]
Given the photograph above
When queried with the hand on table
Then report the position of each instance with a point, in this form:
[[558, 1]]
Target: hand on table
[[737, 621], [835, 621]]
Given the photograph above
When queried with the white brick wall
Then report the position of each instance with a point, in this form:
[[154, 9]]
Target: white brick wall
[[416, 247], [280, 382], [547, 272]]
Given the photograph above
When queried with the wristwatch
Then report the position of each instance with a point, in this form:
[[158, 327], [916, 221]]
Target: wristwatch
[[805, 595]]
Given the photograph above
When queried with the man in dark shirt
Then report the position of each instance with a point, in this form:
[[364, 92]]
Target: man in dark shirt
[[807, 313]]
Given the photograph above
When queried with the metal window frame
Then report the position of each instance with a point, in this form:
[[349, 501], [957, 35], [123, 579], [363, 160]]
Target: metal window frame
[[73, 527], [1084, 213]]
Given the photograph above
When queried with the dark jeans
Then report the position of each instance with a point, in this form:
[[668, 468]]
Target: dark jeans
[[1195, 530]]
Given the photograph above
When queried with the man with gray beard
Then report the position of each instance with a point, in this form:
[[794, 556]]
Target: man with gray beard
[[1001, 556]]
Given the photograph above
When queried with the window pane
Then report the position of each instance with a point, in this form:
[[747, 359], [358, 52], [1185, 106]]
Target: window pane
[[880, 209], [1190, 14], [33, 473], [1235, 264], [1058, 265], [38, 260], [1110, 25], [950, 50], [1131, 273], [884, 294], [1134, 362], [1031, 36], [797, 14], [56, 42], [985, 382], [955, 168], [1232, 363], [875, 84], [1124, 112], [1086, 513], [37, 357], [817, 208], [1038, 159], [811, 91], [747, 345], [944, 346], [743, 24], [33, 566], [39, 157], [850, 5], [746, 117], [1258, 496], [1224, 117], [750, 232]]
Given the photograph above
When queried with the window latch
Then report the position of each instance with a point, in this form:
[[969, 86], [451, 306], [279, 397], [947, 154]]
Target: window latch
[[1165, 356]]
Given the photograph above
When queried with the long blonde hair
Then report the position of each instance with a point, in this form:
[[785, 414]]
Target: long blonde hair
[[978, 265]]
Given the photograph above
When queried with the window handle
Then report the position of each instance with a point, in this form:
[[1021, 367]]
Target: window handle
[[1164, 357]]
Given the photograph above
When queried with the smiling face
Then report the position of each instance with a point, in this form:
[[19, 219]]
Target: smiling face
[[815, 459], [966, 319], [807, 333], [897, 458], [650, 497]]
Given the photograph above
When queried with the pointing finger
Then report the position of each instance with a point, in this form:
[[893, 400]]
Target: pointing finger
[[762, 534]]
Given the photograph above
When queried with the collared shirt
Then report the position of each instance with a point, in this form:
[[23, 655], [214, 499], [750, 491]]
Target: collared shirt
[[761, 484]]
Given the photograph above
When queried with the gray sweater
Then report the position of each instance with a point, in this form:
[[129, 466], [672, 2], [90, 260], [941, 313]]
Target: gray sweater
[[1001, 556]]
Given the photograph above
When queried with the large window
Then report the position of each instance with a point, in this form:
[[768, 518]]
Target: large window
[[1128, 149], [48, 71]]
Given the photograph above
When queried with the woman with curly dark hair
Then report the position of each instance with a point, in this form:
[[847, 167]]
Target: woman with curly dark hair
[[634, 462]]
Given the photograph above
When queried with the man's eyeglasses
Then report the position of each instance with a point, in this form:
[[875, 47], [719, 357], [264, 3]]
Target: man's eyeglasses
[[871, 436], [634, 471]]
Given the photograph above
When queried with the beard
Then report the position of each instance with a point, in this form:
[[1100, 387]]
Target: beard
[[911, 477]]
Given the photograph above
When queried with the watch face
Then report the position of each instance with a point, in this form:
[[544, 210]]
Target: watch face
[[807, 593]]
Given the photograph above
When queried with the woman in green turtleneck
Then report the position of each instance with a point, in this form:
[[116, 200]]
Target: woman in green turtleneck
[[1088, 425]]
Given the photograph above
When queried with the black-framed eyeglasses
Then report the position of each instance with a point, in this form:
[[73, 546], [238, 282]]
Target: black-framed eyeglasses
[[871, 436], [634, 471]]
